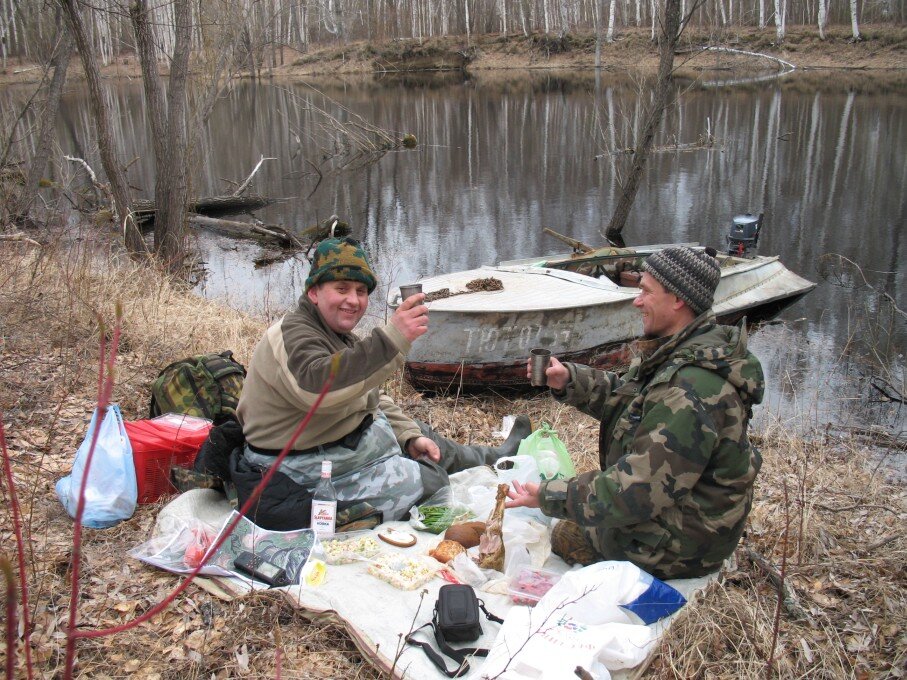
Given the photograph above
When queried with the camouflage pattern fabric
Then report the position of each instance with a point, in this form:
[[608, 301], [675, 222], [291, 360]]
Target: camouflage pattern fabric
[[340, 259], [677, 467], [206, 386], [376, 472]]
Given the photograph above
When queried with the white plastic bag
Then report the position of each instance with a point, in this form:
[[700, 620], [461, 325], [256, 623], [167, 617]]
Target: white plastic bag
[[593, 617], [612, 592], [111, 491]]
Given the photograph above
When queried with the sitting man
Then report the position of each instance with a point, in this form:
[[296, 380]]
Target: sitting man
[[357, 427], [677, 469]]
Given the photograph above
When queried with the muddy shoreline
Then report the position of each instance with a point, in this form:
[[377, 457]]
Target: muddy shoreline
[[881, 54]]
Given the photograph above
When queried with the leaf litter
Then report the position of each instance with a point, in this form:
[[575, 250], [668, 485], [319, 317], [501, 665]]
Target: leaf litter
[[846, 614]]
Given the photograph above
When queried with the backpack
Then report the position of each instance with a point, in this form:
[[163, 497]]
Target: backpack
[[206, 385]]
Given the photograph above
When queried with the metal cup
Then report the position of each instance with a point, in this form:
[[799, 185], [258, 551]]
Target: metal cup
[[409, 290], [538, 363]]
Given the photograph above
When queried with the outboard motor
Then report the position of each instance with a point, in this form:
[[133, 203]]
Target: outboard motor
[[744, 235]]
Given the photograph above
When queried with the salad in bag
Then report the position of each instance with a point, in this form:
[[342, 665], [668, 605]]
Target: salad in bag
[[439, 512]]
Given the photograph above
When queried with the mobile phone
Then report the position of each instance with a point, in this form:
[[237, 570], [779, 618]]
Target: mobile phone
[[261, 570]]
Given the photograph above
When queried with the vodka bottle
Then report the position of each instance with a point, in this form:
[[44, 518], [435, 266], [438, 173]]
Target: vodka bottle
[[324, 503]]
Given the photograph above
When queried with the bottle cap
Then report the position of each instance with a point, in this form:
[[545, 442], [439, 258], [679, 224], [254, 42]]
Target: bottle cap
[[325, 467]]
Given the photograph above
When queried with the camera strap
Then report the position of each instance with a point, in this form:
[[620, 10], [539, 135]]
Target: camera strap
[[459, 655]]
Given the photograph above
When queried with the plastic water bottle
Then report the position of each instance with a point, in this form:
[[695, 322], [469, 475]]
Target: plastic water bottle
[[324, 503]]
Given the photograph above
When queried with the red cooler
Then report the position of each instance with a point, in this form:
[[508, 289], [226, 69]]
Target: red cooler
[[162, 442]]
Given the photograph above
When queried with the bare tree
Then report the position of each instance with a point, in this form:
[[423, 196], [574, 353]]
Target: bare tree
[[855, 27], [115, 176], [667, 43], [781, 20], [823, 18], [60, 61], [168, 128]]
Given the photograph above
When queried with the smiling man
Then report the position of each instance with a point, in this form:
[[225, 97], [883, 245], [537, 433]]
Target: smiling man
[[677, 468], [379, 455]]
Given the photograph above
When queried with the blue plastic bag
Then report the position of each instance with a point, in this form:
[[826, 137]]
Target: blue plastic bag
[[111, 491]]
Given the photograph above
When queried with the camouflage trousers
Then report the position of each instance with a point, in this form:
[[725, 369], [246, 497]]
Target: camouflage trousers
[[375, 472], [570, 542]]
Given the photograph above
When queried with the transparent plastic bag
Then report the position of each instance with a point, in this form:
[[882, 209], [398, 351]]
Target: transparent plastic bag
[[438, 512], [111, 491]]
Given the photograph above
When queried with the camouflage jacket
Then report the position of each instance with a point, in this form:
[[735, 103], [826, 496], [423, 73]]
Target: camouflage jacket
[[677, 468]]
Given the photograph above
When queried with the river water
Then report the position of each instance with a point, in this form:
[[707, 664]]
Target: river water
[[498, 159]]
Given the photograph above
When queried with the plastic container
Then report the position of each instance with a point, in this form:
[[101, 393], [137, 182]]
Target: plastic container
[[352, 546], [405, 573], [529, 585], [172, 439]]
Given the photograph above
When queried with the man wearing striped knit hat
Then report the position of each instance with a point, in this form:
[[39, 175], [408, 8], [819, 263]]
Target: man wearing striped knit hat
[[677, 468]]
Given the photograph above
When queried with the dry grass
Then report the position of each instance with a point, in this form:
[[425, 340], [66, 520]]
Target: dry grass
[[845, 547]]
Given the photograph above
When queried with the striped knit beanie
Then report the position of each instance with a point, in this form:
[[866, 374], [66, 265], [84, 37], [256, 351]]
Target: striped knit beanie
[[691, 275]]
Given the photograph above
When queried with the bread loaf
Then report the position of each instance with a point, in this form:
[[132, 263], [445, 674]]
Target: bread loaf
[[446, 550], [466, 534]]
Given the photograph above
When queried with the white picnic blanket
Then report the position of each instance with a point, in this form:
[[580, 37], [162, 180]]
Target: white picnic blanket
[[378, 615]]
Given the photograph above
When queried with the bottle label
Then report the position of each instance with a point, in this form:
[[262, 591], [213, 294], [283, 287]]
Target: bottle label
[[324, 517]]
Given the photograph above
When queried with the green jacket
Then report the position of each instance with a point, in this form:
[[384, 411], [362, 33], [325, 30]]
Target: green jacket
[[677, 468]]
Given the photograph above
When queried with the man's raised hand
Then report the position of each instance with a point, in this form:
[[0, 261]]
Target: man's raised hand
[[411, 317], [556, 375]]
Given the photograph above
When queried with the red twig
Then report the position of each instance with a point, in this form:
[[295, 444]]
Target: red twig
[[158, 608], [777, 623], [20, 557], [105, 389], [12, 620]]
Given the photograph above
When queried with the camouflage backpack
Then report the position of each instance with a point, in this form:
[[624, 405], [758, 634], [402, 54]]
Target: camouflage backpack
[[207, 385]]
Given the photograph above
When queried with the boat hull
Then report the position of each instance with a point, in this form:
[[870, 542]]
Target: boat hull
[[482, 340]]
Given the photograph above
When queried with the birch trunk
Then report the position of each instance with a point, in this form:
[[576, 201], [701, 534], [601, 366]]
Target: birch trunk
[[119, 189], [611, 11], [48, 125], [823, 18], [668, 39], [780, 19], [761, 14], [855, 27]]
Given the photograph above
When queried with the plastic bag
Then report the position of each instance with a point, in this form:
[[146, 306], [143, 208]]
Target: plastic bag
[[517, 468], [438, 512], [591, 618], [549, 452], [111, 492]]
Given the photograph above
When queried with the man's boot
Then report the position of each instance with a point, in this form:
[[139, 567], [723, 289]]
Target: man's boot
[[456, 457]]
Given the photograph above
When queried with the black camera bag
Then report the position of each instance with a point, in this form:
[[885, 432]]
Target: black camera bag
[[456, 619]]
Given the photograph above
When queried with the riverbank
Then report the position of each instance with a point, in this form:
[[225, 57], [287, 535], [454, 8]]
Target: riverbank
[[823, 509], [882, 52]]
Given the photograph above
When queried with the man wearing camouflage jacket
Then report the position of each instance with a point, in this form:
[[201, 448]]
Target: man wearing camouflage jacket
[[677, 468]]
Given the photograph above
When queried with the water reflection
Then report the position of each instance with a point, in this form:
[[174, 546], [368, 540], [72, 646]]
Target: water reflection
[[498, 160]]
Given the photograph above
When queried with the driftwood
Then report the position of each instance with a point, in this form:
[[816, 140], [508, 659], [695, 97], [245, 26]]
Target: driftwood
[[245, 185], [208, 205], [789, 596], [271, 234], [578, 246]]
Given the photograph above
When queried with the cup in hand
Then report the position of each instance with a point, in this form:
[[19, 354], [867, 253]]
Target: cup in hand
[[409, 290], [538, 363]]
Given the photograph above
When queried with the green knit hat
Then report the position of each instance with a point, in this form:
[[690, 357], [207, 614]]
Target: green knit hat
[[340, 259]]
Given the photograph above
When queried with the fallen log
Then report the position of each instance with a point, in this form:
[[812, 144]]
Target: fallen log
[[207, 205], [271, 234]]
